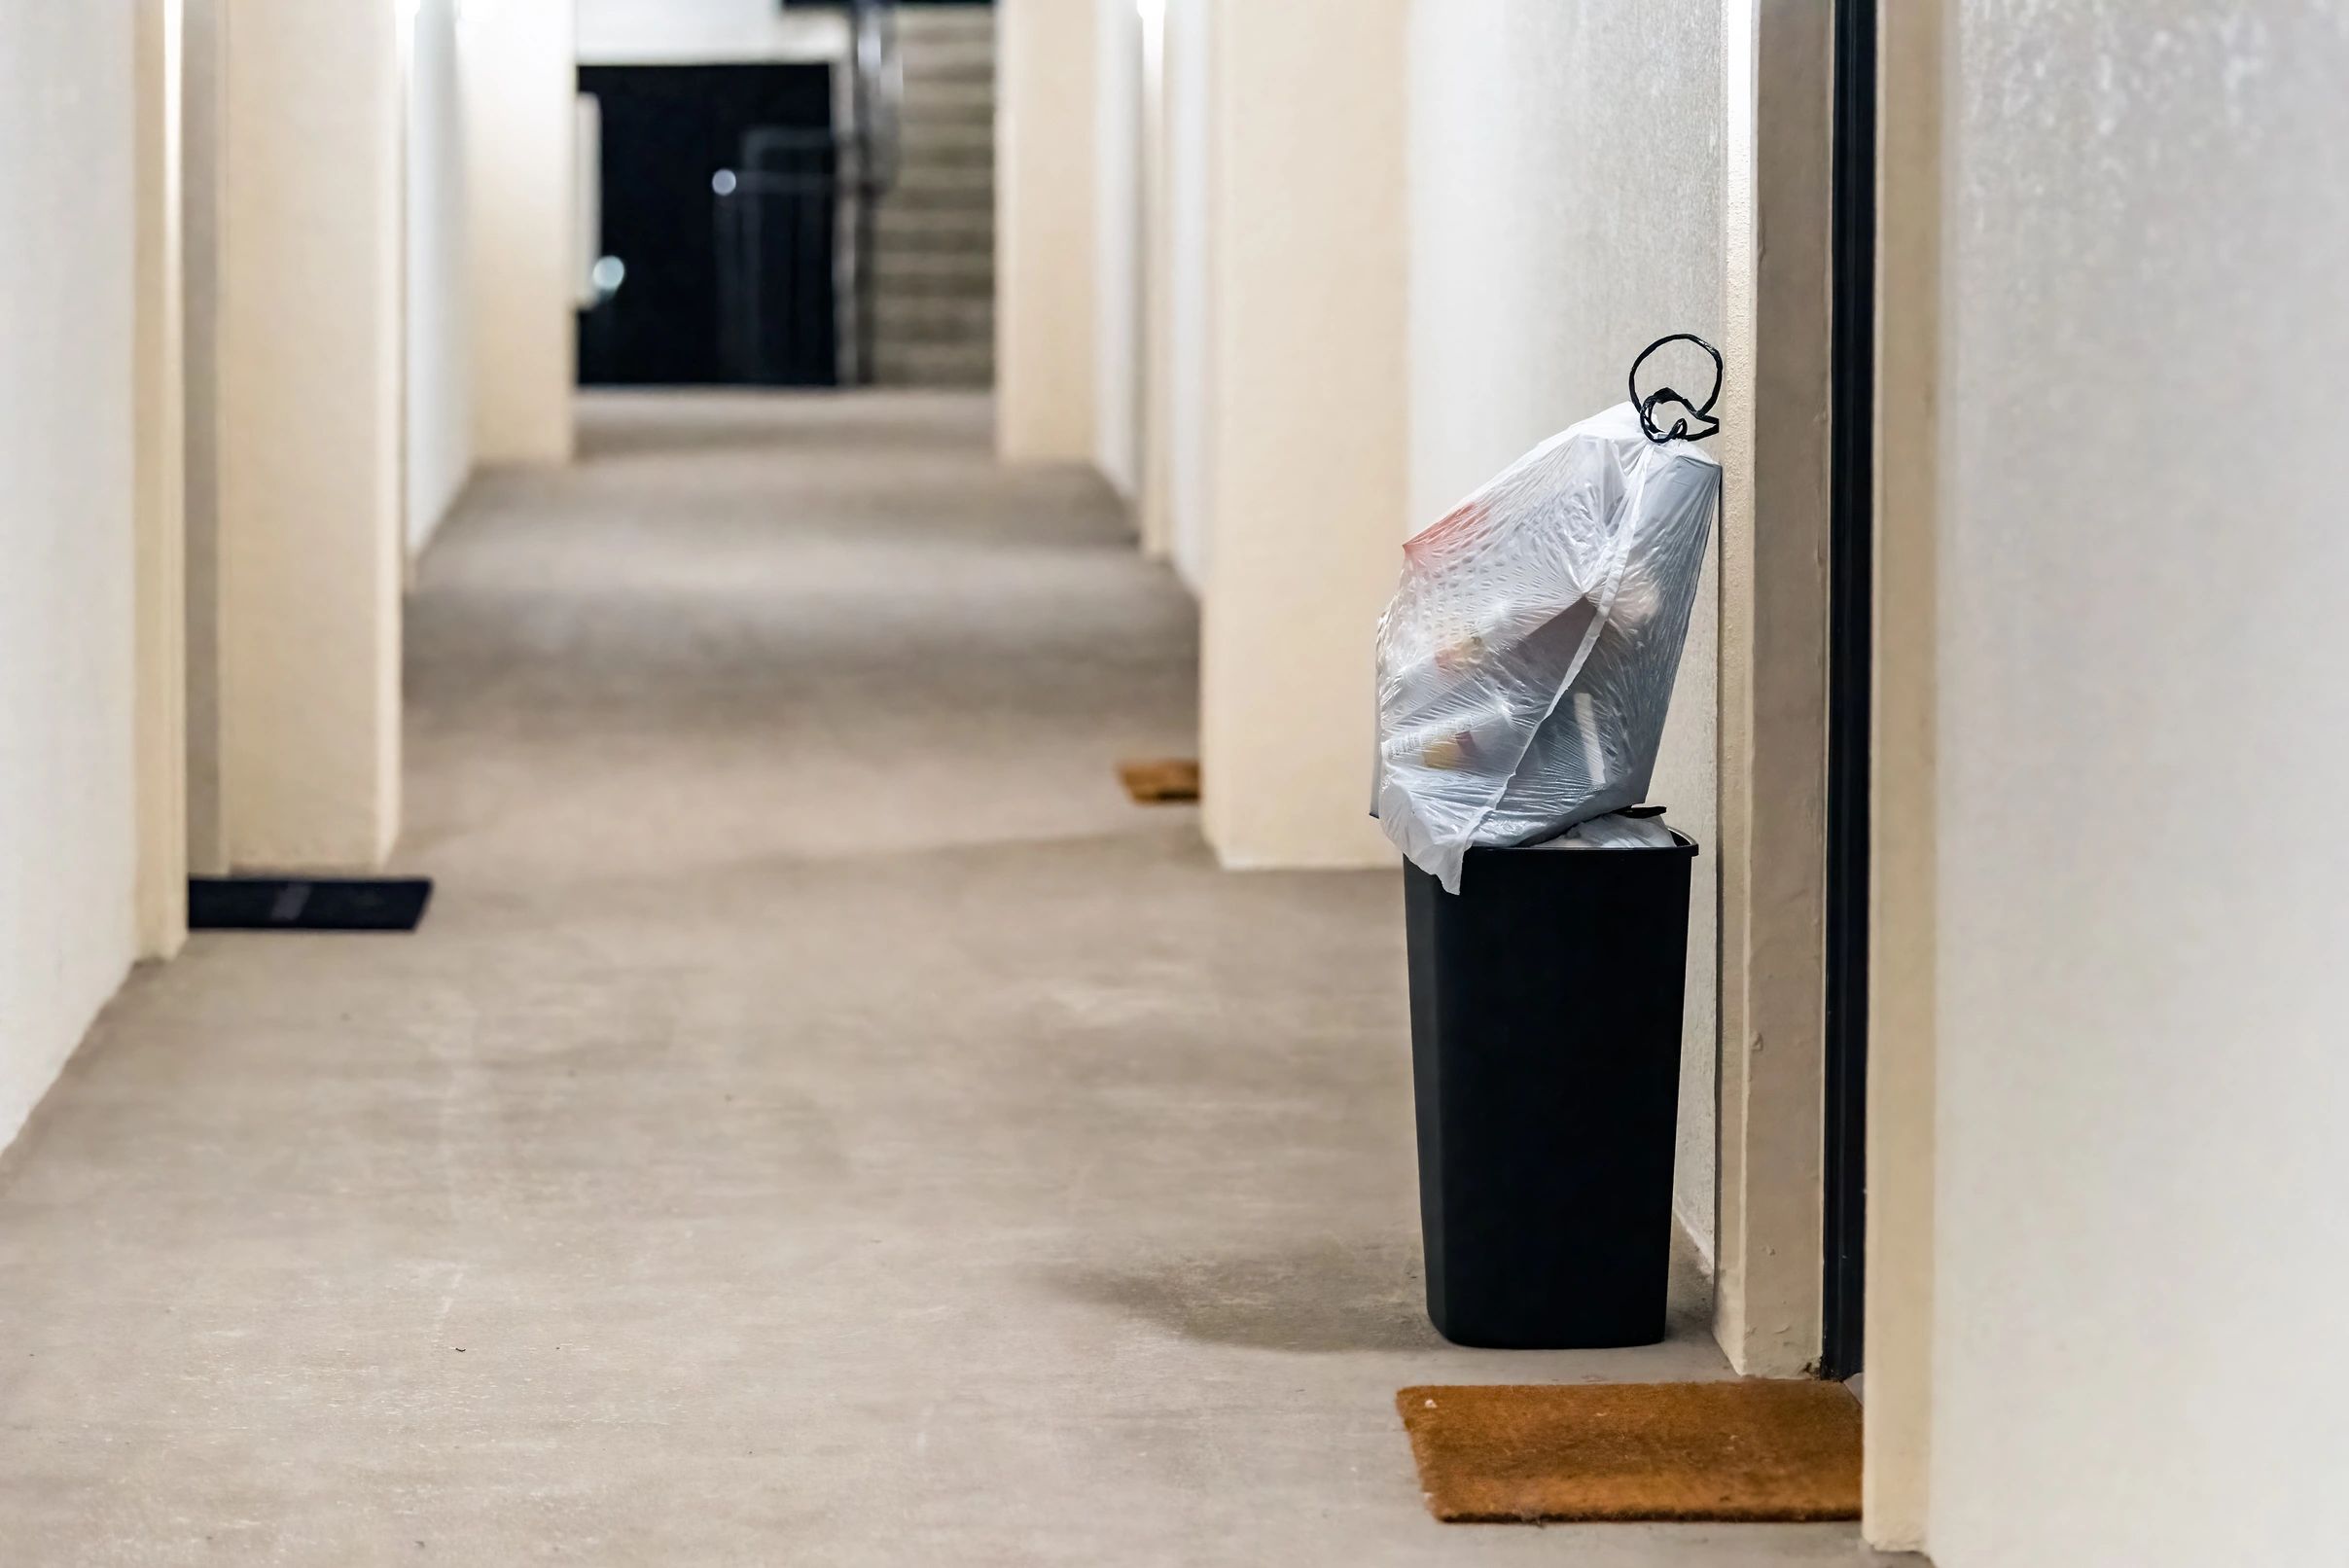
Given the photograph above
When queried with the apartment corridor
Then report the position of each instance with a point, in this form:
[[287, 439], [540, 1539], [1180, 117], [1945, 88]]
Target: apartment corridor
[[821, 1119]]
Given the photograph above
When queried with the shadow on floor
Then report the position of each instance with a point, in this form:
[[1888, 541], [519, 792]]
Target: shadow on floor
[[1333, 1298], [1336, 1298]]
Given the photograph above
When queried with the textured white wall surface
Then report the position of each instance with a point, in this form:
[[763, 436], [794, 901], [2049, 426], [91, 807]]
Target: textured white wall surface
[[1566, 210], [2143, 734], [706, 33], [440, 344], [66, 432]]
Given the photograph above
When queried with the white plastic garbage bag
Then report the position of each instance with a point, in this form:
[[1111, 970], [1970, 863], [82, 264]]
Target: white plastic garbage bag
[[1527, 658], [1614, 830]]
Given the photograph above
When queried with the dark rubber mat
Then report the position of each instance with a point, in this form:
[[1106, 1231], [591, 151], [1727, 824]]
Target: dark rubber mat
[[307, 903]]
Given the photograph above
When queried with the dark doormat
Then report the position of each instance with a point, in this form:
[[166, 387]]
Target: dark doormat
[[306, 902], [1161, 781], [1753, 1451]]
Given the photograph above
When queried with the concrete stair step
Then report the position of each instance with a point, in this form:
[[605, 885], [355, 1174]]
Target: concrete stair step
[[922, 183], [957, 144], [949, 111], [938, 164], [961, 85], [945, 104], [952, 135], [948, 102], [914, 226], [959, 274], [934, 243], [947, 62], [927, 56], [935, 365], [955, 118], [948, 114], [899, 319], [955, 188], [973, 144], [940, 23], [952, 122]]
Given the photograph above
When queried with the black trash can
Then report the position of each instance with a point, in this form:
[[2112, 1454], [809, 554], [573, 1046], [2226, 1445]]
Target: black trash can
[[1546, 1032]]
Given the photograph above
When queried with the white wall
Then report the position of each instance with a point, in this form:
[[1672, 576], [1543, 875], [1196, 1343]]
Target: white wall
[[1307, 273], [161, 415], [1044, 238], [704, 32], [309, 362], [203, 212], [2144, 741], [1118, 236], [1771, 806], [440, 345], [1183, 422], [587, 199], [1903, 816], [1566, 185], [520, 112], [66, 464]]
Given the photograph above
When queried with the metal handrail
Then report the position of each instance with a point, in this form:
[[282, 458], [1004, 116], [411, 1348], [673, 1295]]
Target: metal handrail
[[876, 90], [876, 96], [854, 163], [768, 218]]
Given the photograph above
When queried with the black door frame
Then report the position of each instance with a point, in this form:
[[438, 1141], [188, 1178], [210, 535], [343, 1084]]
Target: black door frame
[[1851, 656]]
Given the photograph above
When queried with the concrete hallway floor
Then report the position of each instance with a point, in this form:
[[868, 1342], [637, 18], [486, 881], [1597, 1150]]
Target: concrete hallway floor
[[821, 1121]]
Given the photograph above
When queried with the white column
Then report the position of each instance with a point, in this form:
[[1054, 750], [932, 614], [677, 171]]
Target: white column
[[1773, 685], [1306, 500], [1178, 415], [440, 325], [202, 211], [1121, 103], [517, 60], [158, 346], [1045, 242], [308, 325], [1903, 814]]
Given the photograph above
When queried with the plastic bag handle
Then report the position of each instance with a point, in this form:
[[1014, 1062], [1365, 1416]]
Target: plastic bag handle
[[1706, 425]]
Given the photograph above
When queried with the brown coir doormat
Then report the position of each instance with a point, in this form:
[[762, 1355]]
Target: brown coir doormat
[[1161, 781], [1748, 1451]]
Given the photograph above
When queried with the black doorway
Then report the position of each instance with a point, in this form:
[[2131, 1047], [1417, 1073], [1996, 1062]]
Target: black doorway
[[691, 153], [1851, 654]]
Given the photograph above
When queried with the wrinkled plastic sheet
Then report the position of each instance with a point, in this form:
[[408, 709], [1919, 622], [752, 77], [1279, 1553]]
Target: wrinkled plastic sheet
[[1526, 662], [1614, 830]]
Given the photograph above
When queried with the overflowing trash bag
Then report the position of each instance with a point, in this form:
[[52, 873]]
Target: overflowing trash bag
[[1527, 658]]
